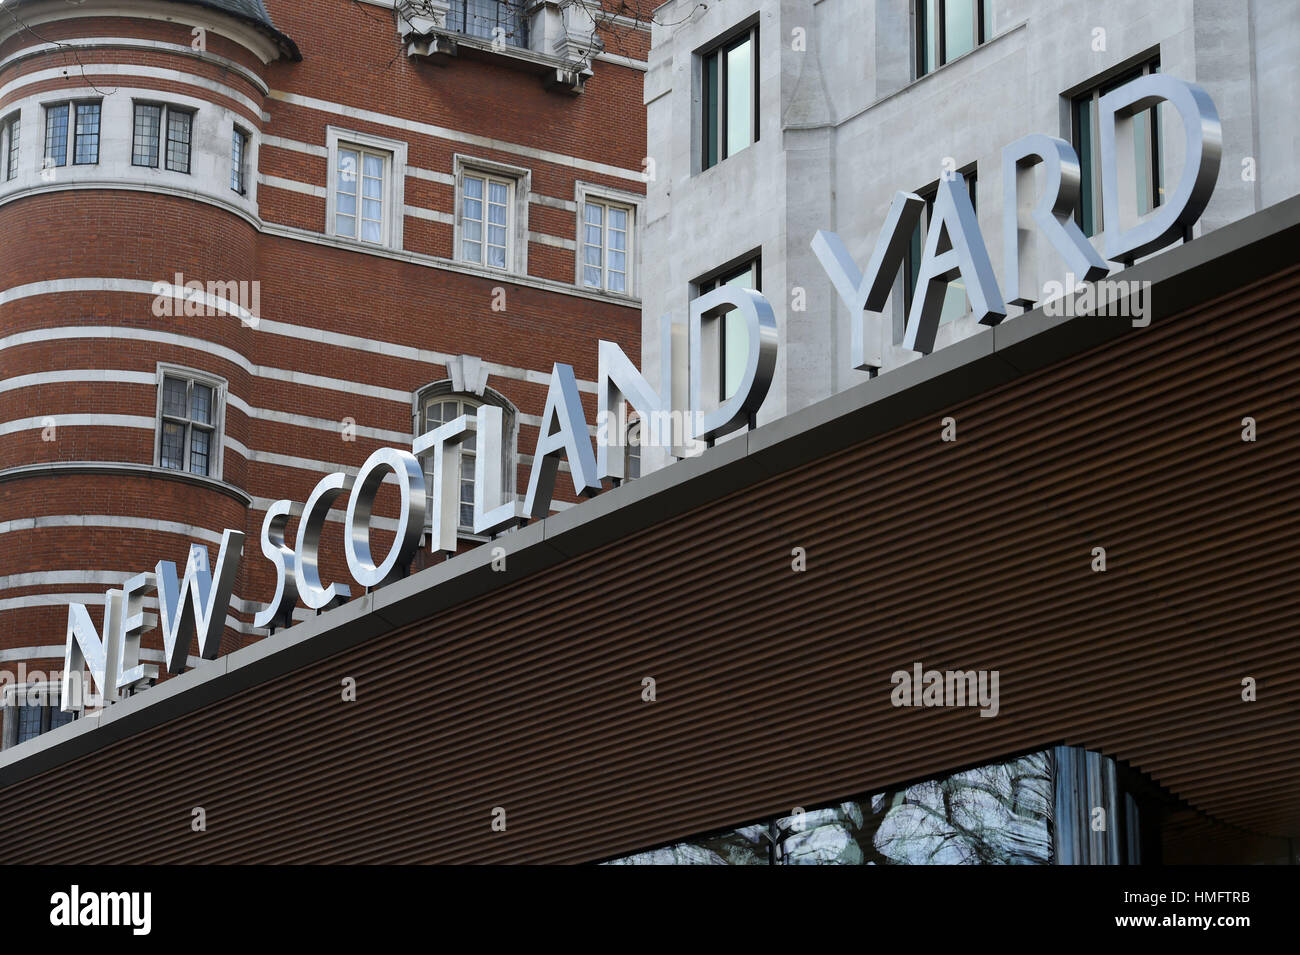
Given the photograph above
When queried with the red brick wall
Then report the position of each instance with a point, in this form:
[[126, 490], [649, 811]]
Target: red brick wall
[[352, 57]]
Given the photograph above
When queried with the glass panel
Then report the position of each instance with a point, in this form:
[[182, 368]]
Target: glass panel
[[711, 110], [58, 717], [473, 187], [174, 397], [1089, 213], [345, 226], [959, 28], [201, 403], [349, 166], [618, 218], [372, 209], [56, 135], [347, 203], [178, 140], [473, 230], [372, 188], [12, 169], [200, 449], [29, 723], [474, 210], [496, 257], [148, 121], [618, 261], [740, 96], [173, 446], [930, 58], [374, 167], [86, 150], [617, 282], [472, 251], [594, 214], [497, 193], [591, 276], [735, 338], [496, 236], [237, 162], [371, 231], [591, 255]]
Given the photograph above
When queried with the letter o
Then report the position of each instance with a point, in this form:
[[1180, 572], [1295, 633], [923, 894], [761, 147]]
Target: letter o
[[410, 521]]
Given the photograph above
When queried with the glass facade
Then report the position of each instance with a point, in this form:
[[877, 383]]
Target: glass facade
[[1037, 809]]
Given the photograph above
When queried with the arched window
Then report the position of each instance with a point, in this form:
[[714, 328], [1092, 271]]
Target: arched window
[[439, 403]]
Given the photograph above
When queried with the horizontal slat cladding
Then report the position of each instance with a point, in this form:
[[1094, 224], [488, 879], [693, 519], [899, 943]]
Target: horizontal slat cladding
[[772, 685]]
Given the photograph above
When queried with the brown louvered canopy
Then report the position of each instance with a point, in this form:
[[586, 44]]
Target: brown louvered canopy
[[522, 689]]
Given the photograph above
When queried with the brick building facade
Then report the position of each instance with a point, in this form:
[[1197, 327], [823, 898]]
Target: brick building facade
[[392, 215]]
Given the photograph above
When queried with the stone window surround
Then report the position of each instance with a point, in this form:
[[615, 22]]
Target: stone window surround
[[394, 183], [220, 386], [582, 191], [211, 130], [516, 227]]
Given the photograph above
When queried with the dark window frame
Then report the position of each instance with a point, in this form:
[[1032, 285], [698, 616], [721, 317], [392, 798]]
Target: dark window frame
[[983, 27], [70, 136], [916, 245], [721, 277], [713, 120], [1088, 214], [162, 138]]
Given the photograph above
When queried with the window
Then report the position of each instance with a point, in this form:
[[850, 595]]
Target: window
[[729, 79], [189, 417], [30, 710], [632, 467], [484, 18], [946, 29], [359, 199], [366, 179], [1087, 143], [607, 227], [733, 338], [438, 404], [9, 130], [955, 303], [152, 121], [485, 219], [238, 157], [75, 124]]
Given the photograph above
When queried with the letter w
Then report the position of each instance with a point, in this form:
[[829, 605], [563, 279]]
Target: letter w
[[869, 292], [195, 604]]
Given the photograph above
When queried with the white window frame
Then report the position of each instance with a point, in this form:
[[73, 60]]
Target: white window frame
[[584, 192], [219, 386], [519, 180], [394, 152]]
